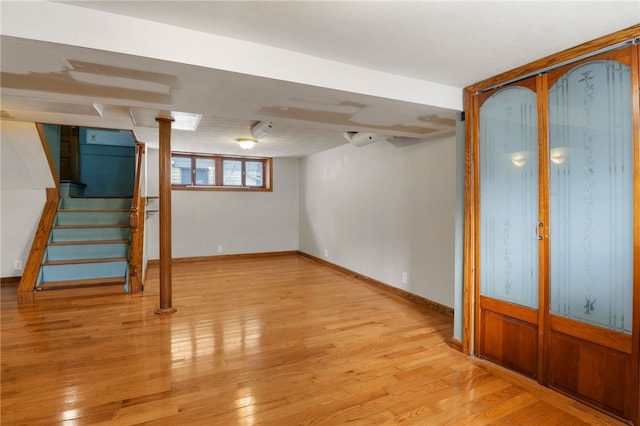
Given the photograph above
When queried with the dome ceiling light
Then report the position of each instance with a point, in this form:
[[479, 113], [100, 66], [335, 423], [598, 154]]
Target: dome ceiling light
[[246, 143]]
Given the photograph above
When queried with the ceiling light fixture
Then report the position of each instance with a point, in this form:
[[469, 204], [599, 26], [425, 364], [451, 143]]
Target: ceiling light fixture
[[146, 117], [185, 120], [246, 143]]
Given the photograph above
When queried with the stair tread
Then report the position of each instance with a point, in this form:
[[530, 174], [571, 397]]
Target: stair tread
[[87, 242], [69, 284], [79, 261], [97, 225], [101, 197], [78, 292], [94, 210]]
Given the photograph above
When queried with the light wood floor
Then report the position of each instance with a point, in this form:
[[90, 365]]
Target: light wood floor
[[272, 341]]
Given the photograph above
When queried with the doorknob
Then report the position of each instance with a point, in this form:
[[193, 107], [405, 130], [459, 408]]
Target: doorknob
[[539, 236]]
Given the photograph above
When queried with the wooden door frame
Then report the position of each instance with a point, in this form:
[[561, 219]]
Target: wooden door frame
[[544, 217], [635, 117]]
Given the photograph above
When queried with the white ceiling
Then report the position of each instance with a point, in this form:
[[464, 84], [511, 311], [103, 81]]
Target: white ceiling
[[316, 69]]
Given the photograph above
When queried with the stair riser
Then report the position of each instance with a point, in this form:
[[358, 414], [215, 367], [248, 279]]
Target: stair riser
[[92, 218], [89, 234], [86, 251], [84, 271], [95, 203]]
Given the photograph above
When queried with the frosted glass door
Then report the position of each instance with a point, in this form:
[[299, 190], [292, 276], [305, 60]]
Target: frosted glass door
[[591, 195], [509, 196], [555, 229]]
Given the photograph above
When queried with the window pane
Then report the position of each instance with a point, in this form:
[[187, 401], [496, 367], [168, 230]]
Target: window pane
[[591, 184], [181, 170], [509, 196], [205, 171], [253, 176], [232, 173]]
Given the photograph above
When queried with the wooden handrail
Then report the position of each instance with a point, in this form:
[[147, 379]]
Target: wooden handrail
[[40, 240], [140, 149], [137, 227]]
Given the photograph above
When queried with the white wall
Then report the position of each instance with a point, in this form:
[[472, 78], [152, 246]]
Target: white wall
[[24, 175], [241, 222], [384, 209]]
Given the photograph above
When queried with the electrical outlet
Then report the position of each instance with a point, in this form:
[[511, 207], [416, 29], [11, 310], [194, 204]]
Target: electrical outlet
[[405, 278], [326, 253], [17, 265], [219, 249]]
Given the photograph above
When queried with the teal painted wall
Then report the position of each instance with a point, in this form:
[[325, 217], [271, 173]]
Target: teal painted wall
[[107, 162]]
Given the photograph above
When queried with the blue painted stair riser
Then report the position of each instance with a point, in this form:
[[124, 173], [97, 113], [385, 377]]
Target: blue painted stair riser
[[86, 251], [83, 271], [95, 203], [89, 234], [92, 217]]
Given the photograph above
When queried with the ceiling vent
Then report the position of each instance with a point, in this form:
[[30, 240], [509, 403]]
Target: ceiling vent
[[260, 129], [360, 139]]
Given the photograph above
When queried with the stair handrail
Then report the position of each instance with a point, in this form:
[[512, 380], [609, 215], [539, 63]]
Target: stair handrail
[[136, 221], [31, 270], [39, 245]]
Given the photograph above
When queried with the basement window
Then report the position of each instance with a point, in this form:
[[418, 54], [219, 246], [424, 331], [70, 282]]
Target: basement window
[[220, 172]]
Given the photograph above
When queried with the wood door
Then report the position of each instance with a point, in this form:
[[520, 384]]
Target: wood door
[[507, 325], [591, 336], [558, 253], [69, 153]]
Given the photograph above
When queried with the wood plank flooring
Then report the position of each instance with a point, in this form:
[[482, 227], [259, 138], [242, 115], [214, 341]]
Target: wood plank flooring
[[266, 341]]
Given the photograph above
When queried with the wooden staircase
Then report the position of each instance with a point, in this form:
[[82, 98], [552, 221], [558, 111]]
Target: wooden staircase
[[88, 246]]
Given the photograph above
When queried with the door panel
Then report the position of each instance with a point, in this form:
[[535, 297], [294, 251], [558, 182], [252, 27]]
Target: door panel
[[591, 244], [509, 341], [595, 373], [508, 180]]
